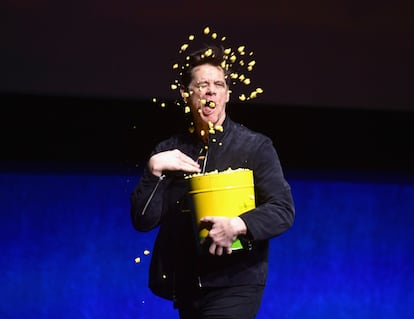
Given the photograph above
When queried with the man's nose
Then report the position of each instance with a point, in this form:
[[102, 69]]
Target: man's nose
[[210, 90]]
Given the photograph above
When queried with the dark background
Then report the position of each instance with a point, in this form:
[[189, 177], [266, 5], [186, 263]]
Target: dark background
[[343, 53], [95, 132], [77, 78]]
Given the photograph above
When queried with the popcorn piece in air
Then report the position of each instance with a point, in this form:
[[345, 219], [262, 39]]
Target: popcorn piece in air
[[211, 127], [246, 81], [184, 47]]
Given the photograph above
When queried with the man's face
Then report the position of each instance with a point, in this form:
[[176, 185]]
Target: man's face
[[208, 94]]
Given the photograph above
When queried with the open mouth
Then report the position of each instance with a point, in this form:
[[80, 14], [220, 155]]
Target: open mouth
[[207, 107]]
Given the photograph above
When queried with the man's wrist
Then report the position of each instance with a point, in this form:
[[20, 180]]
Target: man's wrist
[[239, 226]]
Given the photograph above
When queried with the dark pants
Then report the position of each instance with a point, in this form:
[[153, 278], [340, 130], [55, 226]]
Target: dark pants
[[242, 302]]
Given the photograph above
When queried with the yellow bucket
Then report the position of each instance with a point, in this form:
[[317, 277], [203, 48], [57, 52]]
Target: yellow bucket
[[228, 193]]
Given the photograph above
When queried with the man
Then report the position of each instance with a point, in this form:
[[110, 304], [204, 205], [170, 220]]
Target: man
[[214, 281]]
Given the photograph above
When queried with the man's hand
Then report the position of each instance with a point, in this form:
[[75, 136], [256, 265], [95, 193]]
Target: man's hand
[[174, 160], [223, 232]]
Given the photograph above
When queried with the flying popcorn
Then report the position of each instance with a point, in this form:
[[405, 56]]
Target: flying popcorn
[[237, 60]]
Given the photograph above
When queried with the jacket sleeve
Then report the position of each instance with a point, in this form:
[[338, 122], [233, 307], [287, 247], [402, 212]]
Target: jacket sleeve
[[146, 201], [274, 212]]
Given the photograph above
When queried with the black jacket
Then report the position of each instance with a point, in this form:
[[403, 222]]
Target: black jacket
[[178, 262]]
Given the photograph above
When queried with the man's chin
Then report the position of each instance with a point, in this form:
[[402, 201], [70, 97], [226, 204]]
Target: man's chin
[[210, 119]]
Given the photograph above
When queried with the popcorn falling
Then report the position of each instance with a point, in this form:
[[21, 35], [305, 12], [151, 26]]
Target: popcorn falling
[[138, 259], [211, 128], [218, 128], [238, 59], [238, 62]]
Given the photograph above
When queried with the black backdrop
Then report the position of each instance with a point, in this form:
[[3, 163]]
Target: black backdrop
[[342, 53], [122, 132], [77, 78]]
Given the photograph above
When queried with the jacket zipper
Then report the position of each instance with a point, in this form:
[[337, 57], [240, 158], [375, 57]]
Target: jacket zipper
[[161, 178]]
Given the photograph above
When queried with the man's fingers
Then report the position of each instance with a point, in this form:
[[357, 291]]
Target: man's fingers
[[219, 250], [212, 249], [208, 219], [187, 163]]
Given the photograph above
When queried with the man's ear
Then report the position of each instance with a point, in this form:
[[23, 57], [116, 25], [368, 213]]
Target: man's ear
[[228, 96]]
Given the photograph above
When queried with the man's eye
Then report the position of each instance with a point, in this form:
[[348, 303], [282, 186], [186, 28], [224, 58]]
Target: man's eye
[[202, 85], [220, 84]]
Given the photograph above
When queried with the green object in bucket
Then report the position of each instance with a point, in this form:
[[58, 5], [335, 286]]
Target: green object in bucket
[[228, 193]]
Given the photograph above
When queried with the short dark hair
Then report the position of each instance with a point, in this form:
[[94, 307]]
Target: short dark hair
[[208, 55]]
